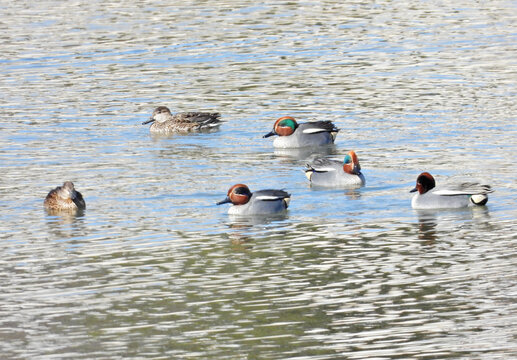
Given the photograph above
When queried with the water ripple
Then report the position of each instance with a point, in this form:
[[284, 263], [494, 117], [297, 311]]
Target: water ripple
[[153, 268]]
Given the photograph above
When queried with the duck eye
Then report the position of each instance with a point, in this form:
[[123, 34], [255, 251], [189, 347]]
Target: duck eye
[[348, 159], [240, 191]]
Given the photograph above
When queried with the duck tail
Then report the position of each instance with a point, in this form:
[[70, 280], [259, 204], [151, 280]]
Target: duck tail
[[309, 171], [479, 199]]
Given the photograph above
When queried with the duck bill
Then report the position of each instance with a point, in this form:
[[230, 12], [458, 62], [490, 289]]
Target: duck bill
[[148, 121], [357, 169], [272, 133], [415, 189], [225, 201]]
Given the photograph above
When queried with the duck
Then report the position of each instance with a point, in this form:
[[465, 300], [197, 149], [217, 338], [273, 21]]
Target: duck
[[294, 135], [447, 197], [164, 122], [64, 198], [262, 202], [334, 173]]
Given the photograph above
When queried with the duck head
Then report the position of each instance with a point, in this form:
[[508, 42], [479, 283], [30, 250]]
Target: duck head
[[160, 114], [67, 191], [351, 164], [284, 126], [424, 183], [238, 194]]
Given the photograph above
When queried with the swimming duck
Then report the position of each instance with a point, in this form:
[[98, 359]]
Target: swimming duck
[[164, 122], [452, 196], [335, 173], [294, 135], [64, 198], [262, 202]]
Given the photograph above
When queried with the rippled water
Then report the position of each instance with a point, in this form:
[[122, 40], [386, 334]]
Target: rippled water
[[153, 269]]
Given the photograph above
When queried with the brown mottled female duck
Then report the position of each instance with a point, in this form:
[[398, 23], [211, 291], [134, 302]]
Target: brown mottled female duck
[[164, 122], [64, 198]]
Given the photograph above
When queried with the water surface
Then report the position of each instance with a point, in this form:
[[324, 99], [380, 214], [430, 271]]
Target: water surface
[[153, 269]]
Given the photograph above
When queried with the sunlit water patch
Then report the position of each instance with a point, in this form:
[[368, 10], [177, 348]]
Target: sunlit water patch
[[154, 268]]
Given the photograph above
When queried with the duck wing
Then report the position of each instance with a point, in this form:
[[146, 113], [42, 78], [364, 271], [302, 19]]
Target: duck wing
[[203, 119], [465, 188], [79, 200], [313, 127], [271, 195], [324, 165]]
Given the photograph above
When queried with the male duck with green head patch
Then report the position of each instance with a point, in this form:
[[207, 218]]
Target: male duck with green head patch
[[262, 202], [334, 173], [294, 135]]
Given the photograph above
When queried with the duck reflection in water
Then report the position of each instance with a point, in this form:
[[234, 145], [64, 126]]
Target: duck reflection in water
[[427, 228], [246, 230], [435, 223], [247, 222], [293, 155]]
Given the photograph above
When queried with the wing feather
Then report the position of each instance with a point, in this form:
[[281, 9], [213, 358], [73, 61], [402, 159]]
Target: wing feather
[[324, 165], [467, 188]]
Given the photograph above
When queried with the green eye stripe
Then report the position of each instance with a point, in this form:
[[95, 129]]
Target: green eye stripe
[[287, 123], [348, 159]]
